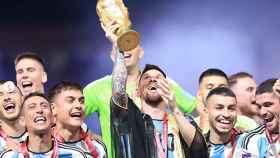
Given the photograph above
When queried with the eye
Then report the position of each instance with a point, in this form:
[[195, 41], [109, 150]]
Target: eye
[[45, 105], [232, 108], [267, 104], [250, 89], [31, 69], [13, 92], [31, 106], [1, 94], [159, 76], [82, 100], [70, 100], [219, 107], [20, 71], [146, 77]]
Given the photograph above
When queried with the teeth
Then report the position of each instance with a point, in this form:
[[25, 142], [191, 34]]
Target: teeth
[[9, 106], [76, 114], [152, 87], [225, 121], [26, 84], [268, 119], [40, 119]]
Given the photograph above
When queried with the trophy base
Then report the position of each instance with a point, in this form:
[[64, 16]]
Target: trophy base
[[128, 40]]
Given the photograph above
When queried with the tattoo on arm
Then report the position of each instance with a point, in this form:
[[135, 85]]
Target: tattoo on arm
[[119, 78]]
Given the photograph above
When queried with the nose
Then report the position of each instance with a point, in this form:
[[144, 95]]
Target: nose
[[78, 104], [226, 113], [24, 74], [39, 110], [7, 98], [153, 79], [253, 99]]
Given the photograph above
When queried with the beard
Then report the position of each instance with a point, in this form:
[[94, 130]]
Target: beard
[[153, 101]]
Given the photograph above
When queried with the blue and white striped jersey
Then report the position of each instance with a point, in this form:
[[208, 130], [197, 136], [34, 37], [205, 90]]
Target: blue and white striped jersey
[[99, 146], [81, 144], [256, 144], [18, 139], [224, 150], [2, 144], [64, 151]]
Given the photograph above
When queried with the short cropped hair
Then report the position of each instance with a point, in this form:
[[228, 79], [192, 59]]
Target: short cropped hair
[[266, 86], [30, 55], [223, 91], [233, 78], [4, 81], [212, 72], [34, 95], [149, 67], [62, 86]]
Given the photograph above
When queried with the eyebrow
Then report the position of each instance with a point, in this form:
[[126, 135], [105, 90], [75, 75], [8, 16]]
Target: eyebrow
[[31, 104], [219, 105], [69, 96], [74, 97], [44, 102], [232, 105]]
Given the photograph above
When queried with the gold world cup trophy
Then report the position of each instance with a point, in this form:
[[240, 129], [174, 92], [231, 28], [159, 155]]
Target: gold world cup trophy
[[115, 10]]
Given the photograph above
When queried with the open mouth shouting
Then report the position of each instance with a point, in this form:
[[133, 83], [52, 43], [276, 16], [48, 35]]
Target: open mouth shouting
[[77, 114], [9, 107], [152, 87], [40, 119], [26, 86], [268, 120]]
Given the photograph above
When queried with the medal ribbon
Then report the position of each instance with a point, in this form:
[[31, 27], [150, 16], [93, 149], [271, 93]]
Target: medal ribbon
[[162, 147], [85, 137], [233, 143], [269, 137]]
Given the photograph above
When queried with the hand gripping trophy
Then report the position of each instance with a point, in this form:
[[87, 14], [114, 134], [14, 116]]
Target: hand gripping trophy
[[115, 10]]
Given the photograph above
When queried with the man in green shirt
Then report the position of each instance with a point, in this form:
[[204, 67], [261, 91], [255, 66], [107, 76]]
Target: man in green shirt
[[99, 92]]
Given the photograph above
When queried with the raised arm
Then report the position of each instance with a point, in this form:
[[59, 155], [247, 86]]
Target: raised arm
[[187, 130], [196, 145], [119, 77]]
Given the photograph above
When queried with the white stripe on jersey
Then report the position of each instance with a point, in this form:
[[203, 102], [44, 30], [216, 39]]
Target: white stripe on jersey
[[2, 144], [64, 151], [224, 150], [257, 131], [16, 139], [256, 144], [100, 147]]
